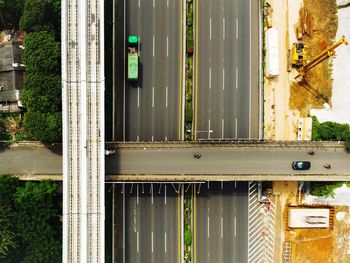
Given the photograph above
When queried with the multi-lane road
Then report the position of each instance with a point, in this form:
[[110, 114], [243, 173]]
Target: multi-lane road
[[220, 222], [226, 70], [227, 62], [149, 220], [152, 106]]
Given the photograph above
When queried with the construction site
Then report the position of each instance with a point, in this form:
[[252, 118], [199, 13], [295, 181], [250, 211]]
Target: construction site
[[301, 42], [305, 54]]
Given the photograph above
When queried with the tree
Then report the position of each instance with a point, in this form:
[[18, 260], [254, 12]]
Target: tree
[[8, 241], [41, 15], [45, 127], [42, 93], [42, 53], [10, 13], [38, 222]]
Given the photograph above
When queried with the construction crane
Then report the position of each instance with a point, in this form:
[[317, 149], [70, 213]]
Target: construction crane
[[329, 52]]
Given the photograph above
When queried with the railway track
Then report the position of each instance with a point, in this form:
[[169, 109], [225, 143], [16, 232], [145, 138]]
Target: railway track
[[83, 139]]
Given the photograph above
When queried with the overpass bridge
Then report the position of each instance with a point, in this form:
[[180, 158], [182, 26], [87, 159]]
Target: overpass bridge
[[220, 161]]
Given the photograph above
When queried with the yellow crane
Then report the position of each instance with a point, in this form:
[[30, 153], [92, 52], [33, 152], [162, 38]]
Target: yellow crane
[[329, 52]]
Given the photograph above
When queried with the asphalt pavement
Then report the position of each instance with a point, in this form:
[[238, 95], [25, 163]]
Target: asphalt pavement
[[220, 222], [151, 223], [227, 63], [153, 104]]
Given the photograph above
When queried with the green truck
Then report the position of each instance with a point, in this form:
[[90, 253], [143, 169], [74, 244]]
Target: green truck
[[133, 58]]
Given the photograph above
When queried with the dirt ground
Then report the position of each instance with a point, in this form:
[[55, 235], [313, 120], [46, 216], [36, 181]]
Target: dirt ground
[[319, 22], [285, 99], [330, 245]]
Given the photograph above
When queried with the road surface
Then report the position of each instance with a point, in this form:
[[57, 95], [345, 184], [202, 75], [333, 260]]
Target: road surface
[[152, 223], [153, 104], [221, 217], [226, 87]]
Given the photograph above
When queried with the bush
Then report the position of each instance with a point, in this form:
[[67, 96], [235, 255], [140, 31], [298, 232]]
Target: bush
[[325, 189], [42, 53], [328, 131], [188, 237], [41, 15], [45, 127], [42, 92]]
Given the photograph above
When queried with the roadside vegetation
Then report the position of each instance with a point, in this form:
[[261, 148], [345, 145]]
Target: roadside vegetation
[[325, 189], [30, 225], [330, 131], [188, 226], [41, 96], [189, 71]]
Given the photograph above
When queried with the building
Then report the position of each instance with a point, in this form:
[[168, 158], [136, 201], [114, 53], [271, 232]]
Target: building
[[11, 72]]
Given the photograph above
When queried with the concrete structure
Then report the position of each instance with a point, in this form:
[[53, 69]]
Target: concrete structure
[[308, 218], [83, 130]]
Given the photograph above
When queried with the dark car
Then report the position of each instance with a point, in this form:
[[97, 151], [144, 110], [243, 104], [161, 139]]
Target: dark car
[[301, 165]]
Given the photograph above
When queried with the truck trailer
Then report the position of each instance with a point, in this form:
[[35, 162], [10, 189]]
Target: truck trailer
[[133, 58]]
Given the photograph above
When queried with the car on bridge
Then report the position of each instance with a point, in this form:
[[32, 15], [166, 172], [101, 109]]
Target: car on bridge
[[301, 165]]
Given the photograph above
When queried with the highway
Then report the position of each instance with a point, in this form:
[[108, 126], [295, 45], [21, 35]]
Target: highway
[[170, 161], [226, 69], [150, 216], [220, 222], [152, 106]]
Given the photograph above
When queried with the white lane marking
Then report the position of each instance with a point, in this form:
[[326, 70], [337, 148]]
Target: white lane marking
[[235, 184], [223, 79], [209, 78], [167, 46], [137, 242], [223, 28], [137, 138], [152, 193], [167, 3], [165, 242], [138, 97], [153, 97], [236, 78], [166, 97], [139, 3], [152, 138], [222, 130], [234, 225], [154, 3], [137, 193], [152, 241], [166, 138], [236, 28], [165, 194], [153, 46], [210, 28], [209, 130], [208, 225], [222, 186], [236, 128], [222, 227]]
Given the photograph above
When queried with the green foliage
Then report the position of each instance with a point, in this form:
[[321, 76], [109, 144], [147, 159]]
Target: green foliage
[[7, 233], [8, 241], [325, 189], [42, 53], [38, 222], [42, 92], [22, 136], [188, 237], [10, 13], [328, 131], [45, 127], [41, 15]]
